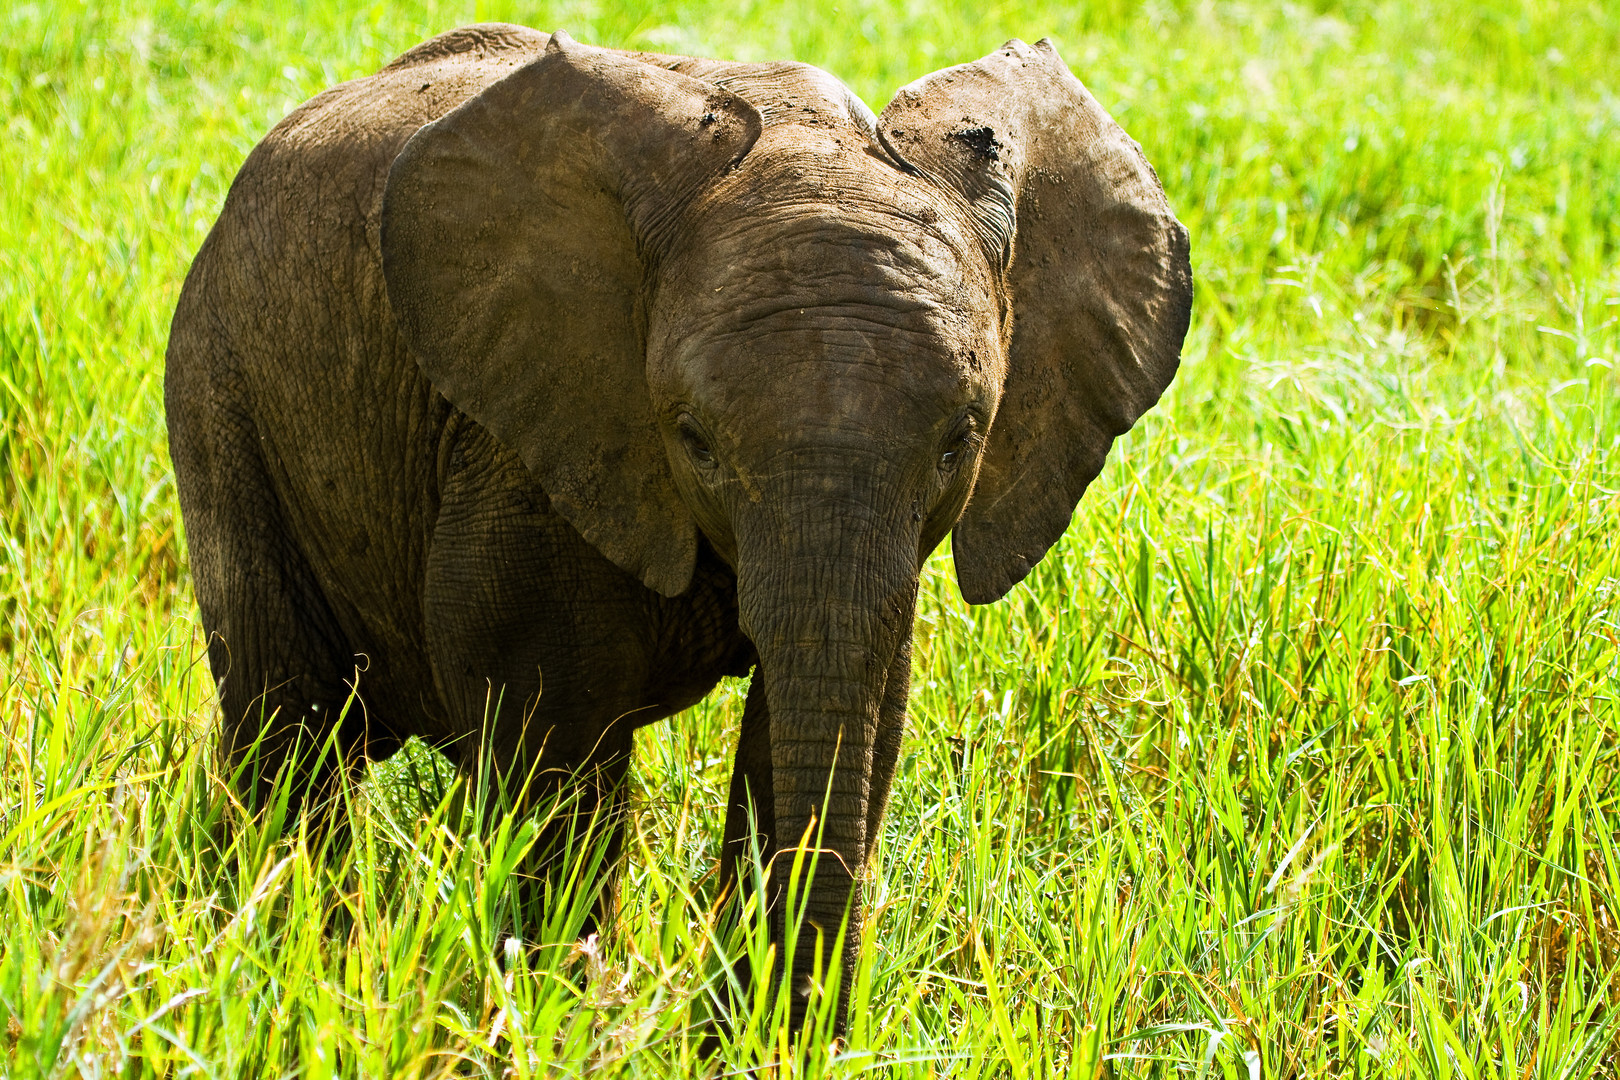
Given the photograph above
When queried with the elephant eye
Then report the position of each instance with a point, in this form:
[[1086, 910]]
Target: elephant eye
[[964, 438], [696, 445]]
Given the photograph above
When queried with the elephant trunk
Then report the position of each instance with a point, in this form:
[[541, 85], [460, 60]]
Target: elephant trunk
[[827, 590]]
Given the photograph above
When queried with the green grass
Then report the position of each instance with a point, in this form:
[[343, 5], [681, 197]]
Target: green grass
[[1297, 757]]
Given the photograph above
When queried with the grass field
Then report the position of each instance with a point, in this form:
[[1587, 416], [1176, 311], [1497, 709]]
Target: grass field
[[1297, 757]]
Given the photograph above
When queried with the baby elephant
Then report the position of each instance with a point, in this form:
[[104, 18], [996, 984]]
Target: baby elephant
[[525, 389]]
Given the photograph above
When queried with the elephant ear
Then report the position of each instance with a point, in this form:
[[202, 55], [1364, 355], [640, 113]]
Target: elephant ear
[[1099, 282], [519, 233]]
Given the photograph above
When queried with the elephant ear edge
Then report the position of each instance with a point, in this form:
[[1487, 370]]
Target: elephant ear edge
[[519, 232], [1099, 283]]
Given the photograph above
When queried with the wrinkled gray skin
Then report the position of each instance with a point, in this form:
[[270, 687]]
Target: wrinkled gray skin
[[531, 388]]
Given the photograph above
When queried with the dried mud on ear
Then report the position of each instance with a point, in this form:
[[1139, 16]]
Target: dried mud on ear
[[980, 140]]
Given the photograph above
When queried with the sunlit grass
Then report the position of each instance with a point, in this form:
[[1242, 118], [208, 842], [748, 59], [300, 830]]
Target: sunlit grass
[[1297, 757]]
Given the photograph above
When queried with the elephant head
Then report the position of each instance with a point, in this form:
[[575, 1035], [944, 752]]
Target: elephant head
[[725, 299]]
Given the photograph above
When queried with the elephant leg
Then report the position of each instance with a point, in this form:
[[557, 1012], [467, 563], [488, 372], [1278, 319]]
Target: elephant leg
[[750, 807], [891, 732], [593, 831], [283, 666], [750, 829], [572, 779], [289, 715]]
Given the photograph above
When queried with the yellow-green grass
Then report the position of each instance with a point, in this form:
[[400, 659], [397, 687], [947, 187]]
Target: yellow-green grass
[[1297, 757]]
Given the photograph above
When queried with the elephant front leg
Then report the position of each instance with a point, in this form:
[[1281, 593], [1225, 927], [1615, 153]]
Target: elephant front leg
[[571, 783], [891, 732], [750, 808], [750, 834]]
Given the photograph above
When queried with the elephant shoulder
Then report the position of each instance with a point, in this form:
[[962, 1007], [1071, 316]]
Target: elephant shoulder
[[380, 112], [307, 199]]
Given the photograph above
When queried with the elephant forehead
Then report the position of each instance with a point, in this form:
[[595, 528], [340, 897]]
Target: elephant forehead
[[830, 244], [807, 264], [824, 344], [812, 266], [811, 388], [815, 292]]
